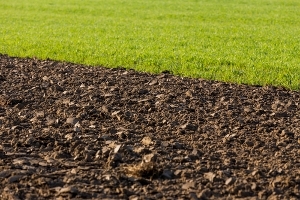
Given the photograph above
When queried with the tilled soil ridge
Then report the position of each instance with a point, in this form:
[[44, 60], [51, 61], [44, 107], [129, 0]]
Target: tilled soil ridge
[[69, 131]]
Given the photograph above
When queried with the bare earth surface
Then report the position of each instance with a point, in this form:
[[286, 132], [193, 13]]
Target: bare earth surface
[[69, 131]]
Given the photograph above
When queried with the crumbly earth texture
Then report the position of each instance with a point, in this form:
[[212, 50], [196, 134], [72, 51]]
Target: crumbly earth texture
[[69, 131]]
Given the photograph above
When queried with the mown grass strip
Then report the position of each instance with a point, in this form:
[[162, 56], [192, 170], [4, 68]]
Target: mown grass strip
[[252, 42]]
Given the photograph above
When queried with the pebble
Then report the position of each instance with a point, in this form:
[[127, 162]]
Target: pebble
[[188, 185], [146, 141], [210, 176], [230, 181], [189, 126], [150, 157], [69, 189], [72, 120]]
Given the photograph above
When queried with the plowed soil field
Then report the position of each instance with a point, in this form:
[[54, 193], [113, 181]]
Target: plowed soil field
[[69, 131]]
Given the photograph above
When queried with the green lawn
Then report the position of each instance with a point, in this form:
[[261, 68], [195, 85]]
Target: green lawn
[[242, 41]]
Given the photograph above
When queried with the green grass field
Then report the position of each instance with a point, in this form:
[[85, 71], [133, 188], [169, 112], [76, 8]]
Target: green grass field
[[241, 41]]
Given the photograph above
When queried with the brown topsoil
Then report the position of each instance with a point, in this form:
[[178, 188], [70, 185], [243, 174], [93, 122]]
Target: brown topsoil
[[69, 131]]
